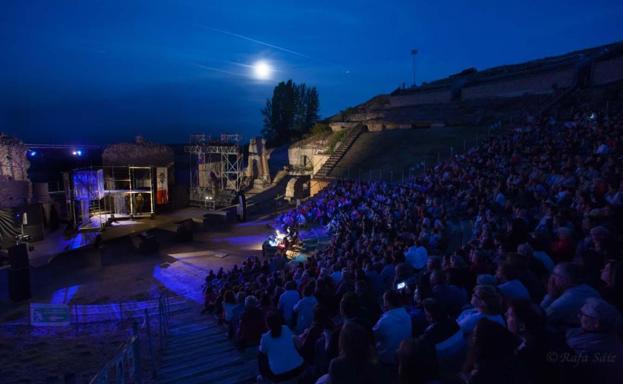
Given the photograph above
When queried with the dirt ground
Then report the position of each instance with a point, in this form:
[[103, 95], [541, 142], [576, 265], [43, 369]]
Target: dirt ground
[[111, 274]]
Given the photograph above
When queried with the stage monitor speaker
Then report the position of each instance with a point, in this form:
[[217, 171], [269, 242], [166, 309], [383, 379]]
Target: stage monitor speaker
[[19, 284], [18, 256]]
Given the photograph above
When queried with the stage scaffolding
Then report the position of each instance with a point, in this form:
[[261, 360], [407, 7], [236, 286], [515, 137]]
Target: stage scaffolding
[[216, 169], [102, 195]]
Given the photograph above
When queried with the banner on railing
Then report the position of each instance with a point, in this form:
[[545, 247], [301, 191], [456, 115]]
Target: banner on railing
[[49, 315]]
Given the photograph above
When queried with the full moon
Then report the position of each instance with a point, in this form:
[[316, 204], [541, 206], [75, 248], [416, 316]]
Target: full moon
[[262, 70]]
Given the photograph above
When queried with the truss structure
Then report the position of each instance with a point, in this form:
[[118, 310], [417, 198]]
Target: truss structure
[[216, 169]]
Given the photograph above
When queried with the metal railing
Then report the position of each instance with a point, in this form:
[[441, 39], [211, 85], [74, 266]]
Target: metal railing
[[125, 365]]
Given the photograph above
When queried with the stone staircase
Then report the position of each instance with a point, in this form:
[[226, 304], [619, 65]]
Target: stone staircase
[[199, 351], [339, 153]]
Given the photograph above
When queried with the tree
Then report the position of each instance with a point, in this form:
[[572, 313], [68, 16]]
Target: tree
[[290, 113]]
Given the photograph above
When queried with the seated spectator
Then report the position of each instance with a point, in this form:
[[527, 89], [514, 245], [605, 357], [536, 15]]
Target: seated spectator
[[369, 309], [487, 304], [306, 342], [393, 327], [612, 278], [526, 321], [278, 357], [252, 323], [491, 357], [598, 339], [355, 363], [441, 327], [304, 308], [287, 301], [565, 295], [511, 288], [229, 304], [416, 363], [451, 297]]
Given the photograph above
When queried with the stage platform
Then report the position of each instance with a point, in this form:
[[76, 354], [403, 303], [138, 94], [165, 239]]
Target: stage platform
[[57, 242]]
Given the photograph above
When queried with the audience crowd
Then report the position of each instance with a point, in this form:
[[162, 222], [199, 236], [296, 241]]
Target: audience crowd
[[501, 264]]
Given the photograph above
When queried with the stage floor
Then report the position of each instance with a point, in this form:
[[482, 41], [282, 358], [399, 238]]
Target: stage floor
[[56, 243]]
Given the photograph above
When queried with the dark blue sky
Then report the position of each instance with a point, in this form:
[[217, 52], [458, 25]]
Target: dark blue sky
[[91, 71]]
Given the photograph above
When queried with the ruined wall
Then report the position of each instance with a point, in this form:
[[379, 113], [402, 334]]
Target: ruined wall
[[537, 83], [607, 71], [15, 187]]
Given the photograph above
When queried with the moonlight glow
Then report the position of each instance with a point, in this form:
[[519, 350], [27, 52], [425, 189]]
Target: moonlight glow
[[262, 70]]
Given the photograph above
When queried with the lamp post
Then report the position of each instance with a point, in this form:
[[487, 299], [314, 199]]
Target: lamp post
[[414, 52]]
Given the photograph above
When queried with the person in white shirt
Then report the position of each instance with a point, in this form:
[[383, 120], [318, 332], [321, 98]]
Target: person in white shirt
[[487, 304], [393, 327], [287, 301], [278, 358]]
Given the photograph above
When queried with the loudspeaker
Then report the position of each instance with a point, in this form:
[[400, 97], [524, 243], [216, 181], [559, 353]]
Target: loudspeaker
[[18, 256], [34, 214], [19, 284], [35, 231]]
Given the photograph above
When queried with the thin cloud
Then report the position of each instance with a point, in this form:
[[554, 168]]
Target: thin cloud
[[264, 43], [207, 68]]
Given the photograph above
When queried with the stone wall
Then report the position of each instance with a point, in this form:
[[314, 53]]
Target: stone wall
[[607, 71], [537, 83], [13, 162], [342, 125], [14, 193], [15, 188], [432, 96]]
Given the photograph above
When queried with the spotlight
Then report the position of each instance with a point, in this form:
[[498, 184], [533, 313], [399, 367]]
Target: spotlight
[[32, 153], [77, 152]]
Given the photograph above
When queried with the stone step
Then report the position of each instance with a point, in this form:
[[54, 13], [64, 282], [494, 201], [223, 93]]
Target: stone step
[[206, 373], [173, 359], [203, 362], [181, 347]]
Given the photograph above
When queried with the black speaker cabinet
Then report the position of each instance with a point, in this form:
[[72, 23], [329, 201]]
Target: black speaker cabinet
[[19, 284], [18, 256]]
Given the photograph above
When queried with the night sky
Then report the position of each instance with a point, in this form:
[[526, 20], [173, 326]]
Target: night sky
[[87, 71]]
